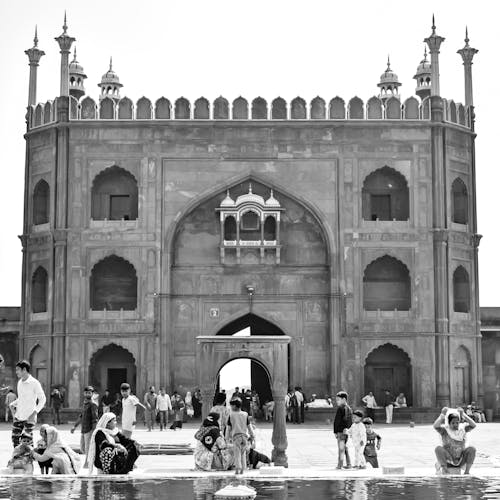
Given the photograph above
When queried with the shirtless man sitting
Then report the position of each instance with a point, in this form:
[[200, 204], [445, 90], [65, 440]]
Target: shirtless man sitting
[[453, 426]]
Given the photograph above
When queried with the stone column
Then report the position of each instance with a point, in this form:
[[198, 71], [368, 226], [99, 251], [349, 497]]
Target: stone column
[[207, 395], [279, 439], [467, 54], [64, 41], [477, 330], [34, 54]]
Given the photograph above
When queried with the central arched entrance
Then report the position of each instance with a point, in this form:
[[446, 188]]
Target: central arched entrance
[[270, 351], [110, 367], [245, 372]]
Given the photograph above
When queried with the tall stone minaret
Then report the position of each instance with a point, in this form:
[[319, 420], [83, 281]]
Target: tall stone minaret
[[65, 41], [434, 42], [34, 54], [468, 54]]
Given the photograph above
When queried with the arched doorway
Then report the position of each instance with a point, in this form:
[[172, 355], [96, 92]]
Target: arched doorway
[[110, 367], [462, 394], [246, 372], [388, 368]]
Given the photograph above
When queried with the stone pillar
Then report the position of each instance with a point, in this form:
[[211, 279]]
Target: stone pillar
[[477, 314], [207, 395], [434, 42], [34, 54], [467, 54], [279, 439], [64, 41]]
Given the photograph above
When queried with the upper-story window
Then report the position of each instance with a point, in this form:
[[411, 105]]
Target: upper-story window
[[385, 196], [41, 203], [460, 204], [461, 290], [114, 195], [250, 221], [39, 290]]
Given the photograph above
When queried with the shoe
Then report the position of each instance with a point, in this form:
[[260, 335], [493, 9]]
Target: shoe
[[347, 467]]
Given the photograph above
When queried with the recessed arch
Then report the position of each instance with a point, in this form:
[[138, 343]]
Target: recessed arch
[[462, 380], [461, 290], [125, 109], [41, 202], [278, 109], [258, 326], [144, 109], [39, 365], [39, 290], [385, 195], [107, 109], [201, 109], [386, 285], [113, 285], [318, 108], [114, 195], [259, 109], [221, 108], [460, 202]]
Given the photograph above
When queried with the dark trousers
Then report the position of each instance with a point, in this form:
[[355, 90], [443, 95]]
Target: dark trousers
[[343, 451], [302, 413], [18, 426], [56, 417], [370, 412], [373, 461], [296, 414], [177, 423]]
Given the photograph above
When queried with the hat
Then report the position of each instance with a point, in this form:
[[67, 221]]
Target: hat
[[358, 413], [368, 421]]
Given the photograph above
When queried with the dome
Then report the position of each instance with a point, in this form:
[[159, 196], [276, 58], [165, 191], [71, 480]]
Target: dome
[[250, 198], [424, 68], [75, 68], [272, 201], [388, 76], [227, 201], [110, 77]]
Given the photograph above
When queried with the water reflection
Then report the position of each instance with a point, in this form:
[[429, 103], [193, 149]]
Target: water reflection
[[205, 488]]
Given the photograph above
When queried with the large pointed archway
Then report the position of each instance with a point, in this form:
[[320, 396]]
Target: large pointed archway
[[270, 351]]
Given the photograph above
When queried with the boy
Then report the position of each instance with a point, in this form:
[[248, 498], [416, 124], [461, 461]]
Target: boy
[[22, 456], [129, 410], [357, 432], [373, 441], [239, 429], [341, 423], [88, 418]]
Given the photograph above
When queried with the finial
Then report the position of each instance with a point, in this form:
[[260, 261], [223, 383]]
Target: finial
[[466, 37], [388, 63], [65, 26], [110, 63], [433, 25], [272, 193], [425, 53], [35, 40], [74, 54]]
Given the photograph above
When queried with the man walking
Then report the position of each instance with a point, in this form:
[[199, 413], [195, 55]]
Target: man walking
[[150, 411], [29, 403], [388, 405], [163, 405], [370, 403], [88, 418]]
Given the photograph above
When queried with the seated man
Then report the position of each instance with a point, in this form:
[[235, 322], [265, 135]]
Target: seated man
[[453, 452]]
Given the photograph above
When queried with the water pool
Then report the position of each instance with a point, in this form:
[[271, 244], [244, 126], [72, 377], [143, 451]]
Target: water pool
[[50, 488]]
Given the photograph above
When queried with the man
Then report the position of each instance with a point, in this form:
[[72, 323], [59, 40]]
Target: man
[[370, 403], [299, 409], [341, 425], [453, 452], [56, 402], [163, 406], [88, 418], [29, 403], [10, 397], [129, 410], [388, 405], [150, 404], [178, 409]]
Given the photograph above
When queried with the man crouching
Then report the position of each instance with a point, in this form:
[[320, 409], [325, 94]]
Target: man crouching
[[453, 452]]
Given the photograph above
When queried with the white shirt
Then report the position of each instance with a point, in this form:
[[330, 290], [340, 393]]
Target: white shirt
[[370, 401], [129, 412], [300, 397], [30, 398], [357, 432], [163, 403]]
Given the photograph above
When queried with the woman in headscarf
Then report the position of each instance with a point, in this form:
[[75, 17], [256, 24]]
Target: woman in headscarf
[[211, 452], [110, 452], [41, 446], [64, 459], [222, 410]]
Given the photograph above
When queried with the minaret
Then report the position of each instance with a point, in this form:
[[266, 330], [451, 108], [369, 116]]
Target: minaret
[[65, 41], [34, 54], [76, 78], [423, 76], [389, 83], [468, 54], [110, 84], [434, 42]]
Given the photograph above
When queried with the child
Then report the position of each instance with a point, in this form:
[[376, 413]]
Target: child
[[239, 429], [373, 441], [357, 432], [341, 423], [129, 409], [88, 419], [22, 456]]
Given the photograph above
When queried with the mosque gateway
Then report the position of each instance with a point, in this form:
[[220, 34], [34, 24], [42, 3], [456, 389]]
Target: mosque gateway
[[347, 226]]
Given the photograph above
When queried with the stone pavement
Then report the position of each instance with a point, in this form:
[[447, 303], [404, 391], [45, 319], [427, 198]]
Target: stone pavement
[[312, 450]]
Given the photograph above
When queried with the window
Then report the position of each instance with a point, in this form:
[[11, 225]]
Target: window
[[119, 207], [460, 207], [230, 228], [39, 285], [385, 196], [270, 229], [249, 221], [461, 290], [41, 203], [386, 285]]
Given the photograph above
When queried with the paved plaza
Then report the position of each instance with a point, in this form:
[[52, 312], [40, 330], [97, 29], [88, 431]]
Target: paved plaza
[[312, 450]]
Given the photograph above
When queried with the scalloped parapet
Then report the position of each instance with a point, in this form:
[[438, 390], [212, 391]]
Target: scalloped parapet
[[257, 109]]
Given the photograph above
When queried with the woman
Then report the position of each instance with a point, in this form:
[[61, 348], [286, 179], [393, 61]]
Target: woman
[[188, 401], [41, 446], [64, 459], [222, 410], [211, 451], [110, 452], [178, 409], [401, 401]]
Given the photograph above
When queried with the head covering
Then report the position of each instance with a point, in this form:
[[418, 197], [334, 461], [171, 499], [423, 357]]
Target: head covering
[[458, 434], [211, 420], [109, 433], [55, 445]]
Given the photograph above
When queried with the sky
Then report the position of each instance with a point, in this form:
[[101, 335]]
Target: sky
[[271, 48]]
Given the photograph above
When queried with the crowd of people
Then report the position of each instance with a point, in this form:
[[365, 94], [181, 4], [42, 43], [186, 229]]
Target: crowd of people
[[225, 440]]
